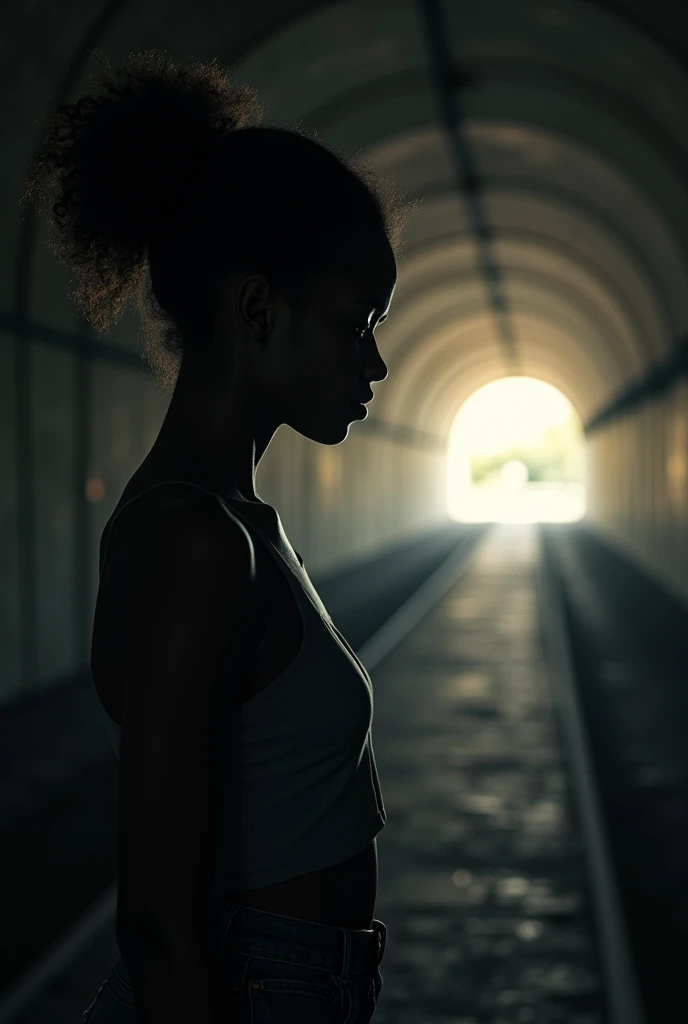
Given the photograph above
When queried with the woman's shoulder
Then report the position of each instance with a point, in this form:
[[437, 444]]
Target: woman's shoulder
[[148, 505]]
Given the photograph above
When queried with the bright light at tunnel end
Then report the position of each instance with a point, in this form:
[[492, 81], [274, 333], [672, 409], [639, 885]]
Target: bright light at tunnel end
[[505, 432]]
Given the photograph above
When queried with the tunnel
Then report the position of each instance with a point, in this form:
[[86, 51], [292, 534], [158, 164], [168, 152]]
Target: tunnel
[[530, 699]]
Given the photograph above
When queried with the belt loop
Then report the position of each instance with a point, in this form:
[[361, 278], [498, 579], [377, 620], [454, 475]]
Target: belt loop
[[381, 933], [230, 913], [346, 959]]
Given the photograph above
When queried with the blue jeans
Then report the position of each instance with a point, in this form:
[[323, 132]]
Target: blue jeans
[[275, 970]]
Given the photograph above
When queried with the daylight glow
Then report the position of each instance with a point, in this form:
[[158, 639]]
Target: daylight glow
[[516, 454]]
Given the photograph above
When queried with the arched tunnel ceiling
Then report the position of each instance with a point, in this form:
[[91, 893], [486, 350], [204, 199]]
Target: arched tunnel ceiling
[[582, 163], [576, 119]]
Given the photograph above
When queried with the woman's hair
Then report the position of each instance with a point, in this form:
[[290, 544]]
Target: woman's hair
[[162, 180]]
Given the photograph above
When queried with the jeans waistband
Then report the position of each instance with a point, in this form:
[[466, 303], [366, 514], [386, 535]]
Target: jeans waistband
[[340, 951]]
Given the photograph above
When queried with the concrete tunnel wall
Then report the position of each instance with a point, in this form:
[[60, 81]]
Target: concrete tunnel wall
[[636, 480], [581, 164]]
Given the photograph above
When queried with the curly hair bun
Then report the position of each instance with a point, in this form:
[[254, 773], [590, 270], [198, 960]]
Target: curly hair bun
[[136, 139]]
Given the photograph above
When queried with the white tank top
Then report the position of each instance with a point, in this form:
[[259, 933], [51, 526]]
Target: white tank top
[[300, 789]]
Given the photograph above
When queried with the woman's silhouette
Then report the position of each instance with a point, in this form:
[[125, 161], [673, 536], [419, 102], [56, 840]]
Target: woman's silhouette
[[260, 262]]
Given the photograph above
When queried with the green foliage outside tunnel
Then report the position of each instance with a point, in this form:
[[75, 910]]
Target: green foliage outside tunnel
[[557, 457]]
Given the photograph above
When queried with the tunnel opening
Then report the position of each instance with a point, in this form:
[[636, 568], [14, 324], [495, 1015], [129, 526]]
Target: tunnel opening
[[516, 454]]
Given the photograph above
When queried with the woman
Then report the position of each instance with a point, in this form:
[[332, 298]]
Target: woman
[[249, 801]]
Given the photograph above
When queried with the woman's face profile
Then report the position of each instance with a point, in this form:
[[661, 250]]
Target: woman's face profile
[[330, 358]]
